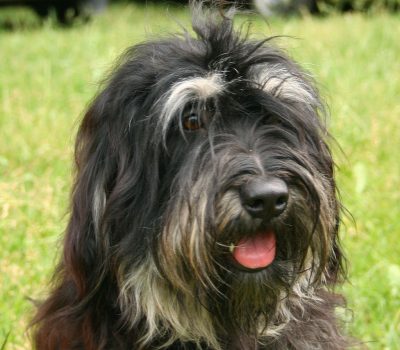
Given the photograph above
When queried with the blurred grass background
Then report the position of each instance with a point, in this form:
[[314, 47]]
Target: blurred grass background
[[48, 74]]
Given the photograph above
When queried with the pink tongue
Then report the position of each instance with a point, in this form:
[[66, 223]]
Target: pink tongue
[[257, 251]]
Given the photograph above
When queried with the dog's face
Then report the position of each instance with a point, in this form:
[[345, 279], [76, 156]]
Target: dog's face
[[208, 187]]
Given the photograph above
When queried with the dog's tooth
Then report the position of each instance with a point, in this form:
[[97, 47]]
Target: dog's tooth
[[231, 247]]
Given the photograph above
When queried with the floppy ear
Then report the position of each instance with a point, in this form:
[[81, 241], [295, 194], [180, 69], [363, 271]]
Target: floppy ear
[[96, 167], [109, 168], [58, 323], [336, 264], [336, 269], [115, 171]]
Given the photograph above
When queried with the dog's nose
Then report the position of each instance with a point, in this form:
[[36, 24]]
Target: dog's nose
[[264, 198]]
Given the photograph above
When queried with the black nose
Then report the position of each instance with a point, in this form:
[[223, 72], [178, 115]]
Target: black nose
[[264, 198]]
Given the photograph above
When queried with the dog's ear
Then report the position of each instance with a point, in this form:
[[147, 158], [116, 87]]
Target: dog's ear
[[335, 266], [116, 168], [96, 161], [336, 269], [108, 166], [108, 163]]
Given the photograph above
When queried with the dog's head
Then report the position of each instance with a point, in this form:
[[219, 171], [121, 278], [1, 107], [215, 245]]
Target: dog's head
[[205, 192]]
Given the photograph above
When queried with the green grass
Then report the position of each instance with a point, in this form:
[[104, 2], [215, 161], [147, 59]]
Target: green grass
[[48, 74]]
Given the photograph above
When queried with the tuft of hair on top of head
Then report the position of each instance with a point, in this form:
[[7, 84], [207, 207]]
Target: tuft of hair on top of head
[[206, 9], [213, 24]]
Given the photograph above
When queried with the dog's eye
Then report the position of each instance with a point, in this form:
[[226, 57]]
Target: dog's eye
[[192, 122]]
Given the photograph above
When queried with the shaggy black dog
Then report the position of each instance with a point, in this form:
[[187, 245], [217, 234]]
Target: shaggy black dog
[[204, 213]]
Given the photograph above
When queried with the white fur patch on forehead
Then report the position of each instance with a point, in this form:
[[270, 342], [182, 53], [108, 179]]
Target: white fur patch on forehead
[[194, 89], [201, 87], [280, 82]]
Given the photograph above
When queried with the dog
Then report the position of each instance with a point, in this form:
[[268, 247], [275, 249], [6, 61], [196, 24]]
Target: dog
[[204, 210]]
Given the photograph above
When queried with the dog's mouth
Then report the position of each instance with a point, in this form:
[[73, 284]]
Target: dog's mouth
[[255, 252]]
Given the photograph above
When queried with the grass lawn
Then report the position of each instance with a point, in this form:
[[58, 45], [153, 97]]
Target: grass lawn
[[48, 74]]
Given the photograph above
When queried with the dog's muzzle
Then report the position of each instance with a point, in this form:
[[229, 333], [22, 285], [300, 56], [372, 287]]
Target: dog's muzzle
[[264, 199]]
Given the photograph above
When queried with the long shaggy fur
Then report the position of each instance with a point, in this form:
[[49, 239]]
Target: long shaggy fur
[[146, 261]]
